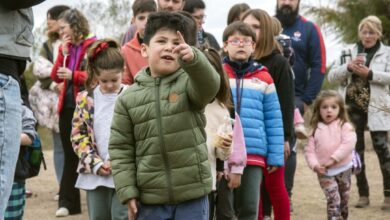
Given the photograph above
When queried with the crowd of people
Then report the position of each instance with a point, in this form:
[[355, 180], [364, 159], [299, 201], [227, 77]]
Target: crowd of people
[[172, 125]]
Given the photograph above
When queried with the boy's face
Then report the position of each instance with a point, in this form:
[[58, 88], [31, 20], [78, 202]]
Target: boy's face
[[239, 47], [140, 21], [199, 16], [162, 61]]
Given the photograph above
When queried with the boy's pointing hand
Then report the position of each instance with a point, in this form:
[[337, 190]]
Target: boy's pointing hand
[[183, 49]]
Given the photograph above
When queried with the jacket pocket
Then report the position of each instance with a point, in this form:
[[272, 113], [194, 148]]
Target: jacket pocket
[[25, 38]]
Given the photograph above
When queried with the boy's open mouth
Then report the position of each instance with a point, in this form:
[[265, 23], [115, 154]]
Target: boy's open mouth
[[167, 57]]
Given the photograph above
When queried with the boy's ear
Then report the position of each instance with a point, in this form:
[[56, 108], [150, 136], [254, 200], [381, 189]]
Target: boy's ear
[[132, 20], [144, 50], [225, 47]]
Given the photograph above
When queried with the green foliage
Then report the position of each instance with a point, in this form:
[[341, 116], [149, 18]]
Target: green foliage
[[342, 17], [326, 84]]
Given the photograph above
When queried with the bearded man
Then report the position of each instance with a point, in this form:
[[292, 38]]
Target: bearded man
[[309, 67]]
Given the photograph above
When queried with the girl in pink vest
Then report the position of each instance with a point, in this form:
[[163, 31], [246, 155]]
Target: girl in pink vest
[[329, 151]]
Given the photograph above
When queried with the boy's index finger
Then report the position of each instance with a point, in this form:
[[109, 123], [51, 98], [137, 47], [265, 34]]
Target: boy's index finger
[[181, 38]]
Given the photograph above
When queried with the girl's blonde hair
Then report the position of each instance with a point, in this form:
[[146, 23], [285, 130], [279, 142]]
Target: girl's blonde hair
[[265, 43], [322, 96], [103, 55], [373, 23]]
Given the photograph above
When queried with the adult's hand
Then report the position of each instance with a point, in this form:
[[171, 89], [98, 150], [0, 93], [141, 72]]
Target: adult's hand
[[361, 70]]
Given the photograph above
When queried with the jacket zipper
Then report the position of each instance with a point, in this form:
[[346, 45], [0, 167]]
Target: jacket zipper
[[161, 138]]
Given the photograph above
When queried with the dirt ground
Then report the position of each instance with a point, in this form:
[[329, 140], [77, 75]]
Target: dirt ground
[[308, 199]]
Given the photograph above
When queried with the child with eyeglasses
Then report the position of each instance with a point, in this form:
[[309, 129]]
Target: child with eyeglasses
[[257, 104]]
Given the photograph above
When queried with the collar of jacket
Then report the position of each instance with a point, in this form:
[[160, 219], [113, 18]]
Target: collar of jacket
[[382, 49], [240, 68], [144, 78], [322, 125]]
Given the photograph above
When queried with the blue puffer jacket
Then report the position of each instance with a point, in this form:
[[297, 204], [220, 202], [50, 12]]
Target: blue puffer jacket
[[257, 103]]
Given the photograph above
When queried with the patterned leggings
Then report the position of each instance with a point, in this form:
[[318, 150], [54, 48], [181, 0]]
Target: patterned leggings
[[336, 189], [380, 145]]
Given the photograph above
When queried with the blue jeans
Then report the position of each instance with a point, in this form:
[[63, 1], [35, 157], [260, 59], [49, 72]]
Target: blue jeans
[[10, 130], [58, 155], [196, 209]]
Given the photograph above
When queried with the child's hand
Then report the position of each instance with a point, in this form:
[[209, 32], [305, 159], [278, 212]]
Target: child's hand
[[66, 41], [132, 209], [234, 180], [105, 169], [25, 139], [64, 73], [227, 141], [329, 163], [271, 169], [59, 87], [183, 49], [320, 169], [287, 150], [102, 171], [220, 174]]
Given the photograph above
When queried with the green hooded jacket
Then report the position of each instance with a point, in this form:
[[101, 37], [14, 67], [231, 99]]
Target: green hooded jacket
[[158, 142]]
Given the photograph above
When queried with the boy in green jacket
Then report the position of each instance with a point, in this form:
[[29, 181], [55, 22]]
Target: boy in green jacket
[[158, 142]]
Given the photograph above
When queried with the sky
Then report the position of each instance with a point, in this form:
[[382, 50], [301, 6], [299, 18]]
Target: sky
[[216, 16]]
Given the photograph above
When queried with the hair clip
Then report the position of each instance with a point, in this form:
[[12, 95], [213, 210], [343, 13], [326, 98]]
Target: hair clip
[[98, 49]]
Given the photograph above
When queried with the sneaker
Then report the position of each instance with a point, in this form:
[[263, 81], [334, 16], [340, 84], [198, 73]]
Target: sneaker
[[386, 204], [28, 193], [300, 131], [56, 197], [266, 217], [363, 202], [62, 212]]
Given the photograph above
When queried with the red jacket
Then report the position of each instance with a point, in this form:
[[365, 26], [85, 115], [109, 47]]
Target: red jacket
[[79, 73], [134, 61]]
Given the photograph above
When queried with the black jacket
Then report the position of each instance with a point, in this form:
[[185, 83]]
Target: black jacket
[[281, 72]]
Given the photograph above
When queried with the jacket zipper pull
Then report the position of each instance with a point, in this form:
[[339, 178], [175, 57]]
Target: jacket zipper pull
[[157, 81]]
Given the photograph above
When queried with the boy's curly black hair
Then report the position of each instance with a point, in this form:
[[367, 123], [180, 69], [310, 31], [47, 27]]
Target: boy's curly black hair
[[168, 21]]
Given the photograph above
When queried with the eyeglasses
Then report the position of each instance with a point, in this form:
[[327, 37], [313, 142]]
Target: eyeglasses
[[199, 17], [237, 42]]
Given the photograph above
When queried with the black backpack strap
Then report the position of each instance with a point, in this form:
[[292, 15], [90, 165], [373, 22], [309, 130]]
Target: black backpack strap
[[232, 110], [49, 53]]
